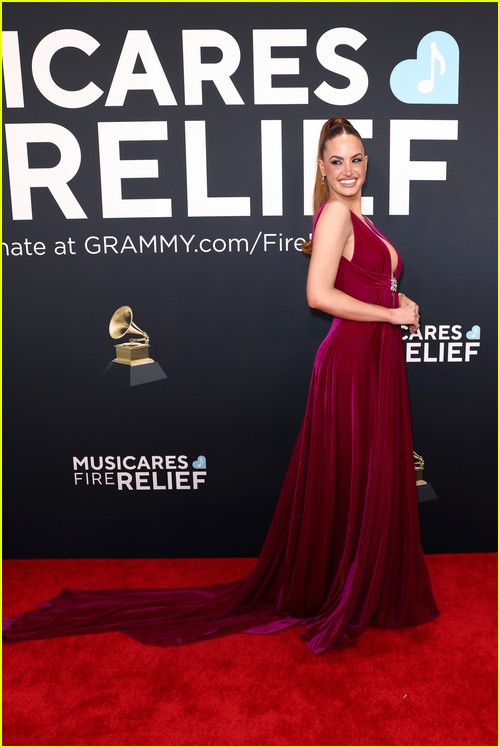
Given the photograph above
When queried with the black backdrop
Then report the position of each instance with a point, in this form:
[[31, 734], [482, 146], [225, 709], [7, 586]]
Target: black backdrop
[[228, 321]]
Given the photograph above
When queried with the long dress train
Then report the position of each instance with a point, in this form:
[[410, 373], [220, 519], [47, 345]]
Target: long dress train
[[343, 549]]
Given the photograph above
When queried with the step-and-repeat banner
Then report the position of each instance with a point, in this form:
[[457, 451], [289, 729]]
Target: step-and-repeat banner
[[158, 170]]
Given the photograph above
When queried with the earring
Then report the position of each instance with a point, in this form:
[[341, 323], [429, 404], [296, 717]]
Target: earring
[[323, 180]]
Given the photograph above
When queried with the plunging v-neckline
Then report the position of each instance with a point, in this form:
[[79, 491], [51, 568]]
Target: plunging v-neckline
[[371, 226]]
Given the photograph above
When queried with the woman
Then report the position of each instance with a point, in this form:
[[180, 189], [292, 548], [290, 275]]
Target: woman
[[343, 550]]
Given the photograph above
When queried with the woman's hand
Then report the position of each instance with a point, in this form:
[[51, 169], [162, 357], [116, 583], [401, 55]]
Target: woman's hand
[[406, 301], [407, 313]]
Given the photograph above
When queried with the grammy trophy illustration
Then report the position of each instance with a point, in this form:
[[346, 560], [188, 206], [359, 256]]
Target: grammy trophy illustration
[[132, 364]]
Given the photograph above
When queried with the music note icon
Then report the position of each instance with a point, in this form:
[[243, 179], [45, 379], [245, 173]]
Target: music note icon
[[427, 85]]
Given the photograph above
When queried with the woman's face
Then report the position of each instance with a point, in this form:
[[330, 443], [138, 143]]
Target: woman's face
[[344, 165]]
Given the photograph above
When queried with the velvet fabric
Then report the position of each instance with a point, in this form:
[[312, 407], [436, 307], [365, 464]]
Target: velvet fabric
[[343, 549]]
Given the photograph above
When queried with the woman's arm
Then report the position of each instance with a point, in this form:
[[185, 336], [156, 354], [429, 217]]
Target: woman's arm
[[332, 235]]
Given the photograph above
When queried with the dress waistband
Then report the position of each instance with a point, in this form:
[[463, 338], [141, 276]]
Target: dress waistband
[[370, 277]]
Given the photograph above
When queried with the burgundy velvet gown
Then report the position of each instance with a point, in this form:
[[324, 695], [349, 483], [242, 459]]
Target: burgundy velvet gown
[[343, 549]]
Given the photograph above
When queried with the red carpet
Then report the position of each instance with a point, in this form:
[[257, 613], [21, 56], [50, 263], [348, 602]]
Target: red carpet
[[431, 685]]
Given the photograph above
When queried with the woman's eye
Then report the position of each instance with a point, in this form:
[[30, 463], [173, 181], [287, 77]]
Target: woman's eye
[[335, 163], [356, 160]]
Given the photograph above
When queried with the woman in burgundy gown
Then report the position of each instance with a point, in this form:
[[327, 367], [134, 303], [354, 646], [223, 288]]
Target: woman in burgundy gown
[[343, 550]]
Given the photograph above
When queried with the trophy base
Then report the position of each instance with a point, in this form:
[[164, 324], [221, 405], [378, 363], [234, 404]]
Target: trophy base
[[425, 492], [133, 375]]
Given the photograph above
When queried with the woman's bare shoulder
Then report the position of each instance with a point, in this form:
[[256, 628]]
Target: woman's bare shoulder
[[336, 211], [335, 216]]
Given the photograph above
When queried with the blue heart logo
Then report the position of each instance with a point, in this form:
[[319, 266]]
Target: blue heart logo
[[474, 333], [200, 463], [432, 78]]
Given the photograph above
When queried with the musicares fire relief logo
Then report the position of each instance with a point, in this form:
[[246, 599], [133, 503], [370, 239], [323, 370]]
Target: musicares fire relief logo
[[131, 473], [450, 344]]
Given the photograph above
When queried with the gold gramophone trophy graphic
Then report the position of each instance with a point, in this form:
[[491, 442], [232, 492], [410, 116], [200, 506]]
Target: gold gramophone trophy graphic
[[424, 489], [132, 364]]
